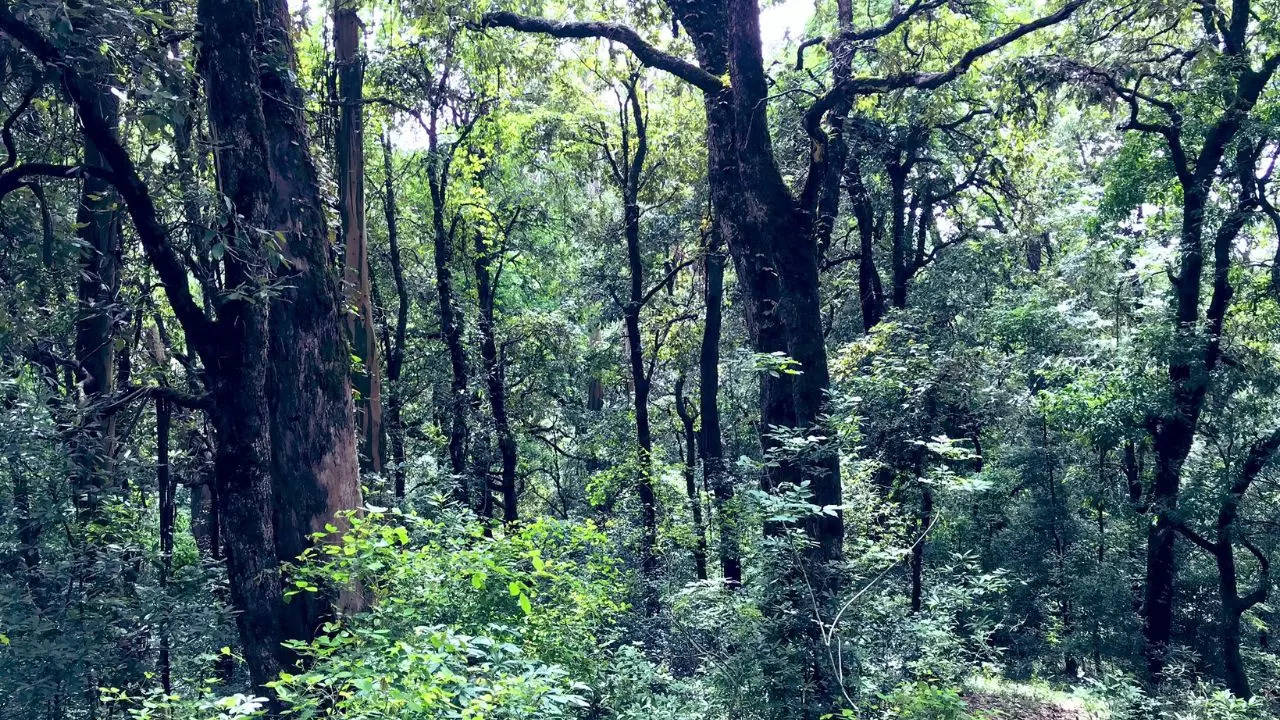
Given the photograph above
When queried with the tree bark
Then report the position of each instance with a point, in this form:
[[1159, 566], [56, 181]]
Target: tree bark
[[233, 346], [687, 421], [451, 330], [917, 551], [1192, 363], [315, 461], [351, 206], [237, 356], [1232, 605], [395, 343], [495, 376], [870, 289], [168, 510], [711, 443], [97, 295], [628, 179]]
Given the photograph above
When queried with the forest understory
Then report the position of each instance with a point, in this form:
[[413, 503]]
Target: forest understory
[[639, 359]]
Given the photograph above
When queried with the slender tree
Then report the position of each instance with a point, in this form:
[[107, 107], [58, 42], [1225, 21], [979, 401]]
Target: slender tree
[[495, 371], [349, 147], [1197, 160], [711, 443], [394, 339], [690, 450]]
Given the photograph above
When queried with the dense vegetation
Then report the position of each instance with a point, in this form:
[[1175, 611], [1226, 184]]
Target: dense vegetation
[[472, 360]]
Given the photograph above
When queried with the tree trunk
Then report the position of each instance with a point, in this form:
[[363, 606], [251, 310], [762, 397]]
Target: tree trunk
[[691, 481], [828, 207], [315, 461], [395, 344], [351, 206], [1234, 674], [1171, 443], [870, 292], [917, 550], [168, 510], [451, 330], [1195, 357], [1231, 608], [495, 377], [706, 24], [640, 401], [713, 469], [775, 254], [237, 355], [628, 177], [242, 469], [774, 228], [97, 293]]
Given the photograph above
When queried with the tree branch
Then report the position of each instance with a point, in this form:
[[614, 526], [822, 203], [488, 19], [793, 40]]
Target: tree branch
[[931, 80], [644, 300], [18, 175], [644, 51], [1260, 592], [137, 198], [893, 23], [1208, 546]]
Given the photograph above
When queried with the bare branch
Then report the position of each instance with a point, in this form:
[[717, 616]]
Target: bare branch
[[644, 51]]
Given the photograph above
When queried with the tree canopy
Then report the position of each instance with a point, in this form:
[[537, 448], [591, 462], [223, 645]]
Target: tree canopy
[[607, 360]]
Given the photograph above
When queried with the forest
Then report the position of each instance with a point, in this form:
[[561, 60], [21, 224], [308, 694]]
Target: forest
[[639, 359]]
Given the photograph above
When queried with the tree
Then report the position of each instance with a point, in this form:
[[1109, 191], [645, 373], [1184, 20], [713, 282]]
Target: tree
[[358, 285], [1198, 338]]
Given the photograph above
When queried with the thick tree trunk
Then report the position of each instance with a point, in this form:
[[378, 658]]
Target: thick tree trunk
[[1195, 356], [828, 206], [315, 462], [356, 280], [495, 378], [97, 291], [755, 273], [870, 291], [242, 470], [898, 169], [776, 228], [1234, 674], [237, 356], [1171, 443], [775, 255], [707, 25]]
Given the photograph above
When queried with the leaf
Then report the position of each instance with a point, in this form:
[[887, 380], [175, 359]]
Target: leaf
[[525, 605]]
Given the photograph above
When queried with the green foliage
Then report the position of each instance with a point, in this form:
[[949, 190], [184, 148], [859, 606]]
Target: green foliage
[[923, 701], [996, 430], [547, 587]]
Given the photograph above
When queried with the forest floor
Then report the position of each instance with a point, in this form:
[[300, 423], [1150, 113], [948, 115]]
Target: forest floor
[[1008, 701], [1013, 707]]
